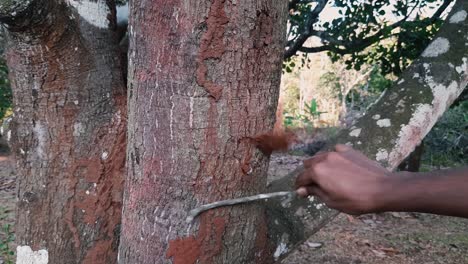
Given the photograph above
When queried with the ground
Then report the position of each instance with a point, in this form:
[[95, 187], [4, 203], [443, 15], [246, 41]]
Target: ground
[[390, 238], [377, 238]]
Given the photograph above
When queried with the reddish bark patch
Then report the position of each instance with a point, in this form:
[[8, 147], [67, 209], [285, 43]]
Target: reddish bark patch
[[262, 247], [212, 47], [99, 252], [204, 247]]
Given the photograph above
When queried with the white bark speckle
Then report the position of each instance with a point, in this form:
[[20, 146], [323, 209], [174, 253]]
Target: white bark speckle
[[401, 81], [356, 132], [401, 104], [104, 155], [191, 113], [40, 133], [416, 75], [282, 246], [78, 129], [423, 118], [462, 68], [376, 117], [319, 206], [384, 122], [95, 13], [25, 255], [458, 17], [381, 155], [437, 47]]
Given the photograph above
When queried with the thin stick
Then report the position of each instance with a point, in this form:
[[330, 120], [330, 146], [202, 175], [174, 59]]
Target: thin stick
[[195, 212]]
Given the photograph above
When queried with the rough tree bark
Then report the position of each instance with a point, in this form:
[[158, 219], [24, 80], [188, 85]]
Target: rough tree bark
[[69, 129], [390, 130], [204, 79]]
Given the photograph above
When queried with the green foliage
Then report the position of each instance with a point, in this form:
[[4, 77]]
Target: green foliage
[[308, 120], [7, 237], [5, 90], [362, 94], [388, 33], [447, 143], [400, 49], [377, 82], [121, 2], [288, 65], [331, 81], [291, 98]]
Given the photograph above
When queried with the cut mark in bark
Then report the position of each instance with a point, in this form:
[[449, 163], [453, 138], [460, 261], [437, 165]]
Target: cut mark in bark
[[246, 166], [212, 47], [204, 247]]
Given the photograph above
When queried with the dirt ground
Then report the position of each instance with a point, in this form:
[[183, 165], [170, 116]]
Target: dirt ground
[[390, 238], [383, 238]]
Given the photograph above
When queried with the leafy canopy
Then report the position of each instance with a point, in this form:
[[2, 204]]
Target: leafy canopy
[[390, 33]]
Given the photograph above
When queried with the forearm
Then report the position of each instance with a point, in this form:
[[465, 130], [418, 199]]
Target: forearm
[[442, 192]]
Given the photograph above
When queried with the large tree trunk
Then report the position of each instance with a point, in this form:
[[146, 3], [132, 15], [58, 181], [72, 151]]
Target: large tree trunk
[[204, 79], [69, 129], [391, 129]]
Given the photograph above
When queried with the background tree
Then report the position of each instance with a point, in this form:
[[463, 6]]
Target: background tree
[[392, 127], [68, 130]]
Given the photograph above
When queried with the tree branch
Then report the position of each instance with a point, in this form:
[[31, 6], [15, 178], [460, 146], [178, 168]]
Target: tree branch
[[441, 9], [16, 13], [308, 29], [350, 47]]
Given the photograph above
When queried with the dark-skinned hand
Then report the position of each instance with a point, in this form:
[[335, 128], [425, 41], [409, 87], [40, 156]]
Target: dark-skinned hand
[[343, 179]]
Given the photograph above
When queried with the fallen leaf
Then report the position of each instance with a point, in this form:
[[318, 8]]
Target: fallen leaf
[[390, 250], [379, 253], [314, 244]]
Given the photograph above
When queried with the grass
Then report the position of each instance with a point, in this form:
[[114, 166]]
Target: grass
[[7, 237]]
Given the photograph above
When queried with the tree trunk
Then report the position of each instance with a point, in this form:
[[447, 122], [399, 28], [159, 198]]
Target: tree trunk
[[390, 130], [69, 129], [204, 79]]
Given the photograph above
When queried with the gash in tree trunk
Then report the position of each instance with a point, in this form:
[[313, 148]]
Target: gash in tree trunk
[[69, 129], [204, 79]]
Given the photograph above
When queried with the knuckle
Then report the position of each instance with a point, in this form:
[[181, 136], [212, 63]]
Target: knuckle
[[332, 156], [319, 169]]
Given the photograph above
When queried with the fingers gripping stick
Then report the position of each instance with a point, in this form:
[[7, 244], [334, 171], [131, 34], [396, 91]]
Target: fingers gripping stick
[[195, 212]]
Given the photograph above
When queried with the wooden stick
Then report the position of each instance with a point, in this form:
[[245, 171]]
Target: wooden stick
[[195, 212]]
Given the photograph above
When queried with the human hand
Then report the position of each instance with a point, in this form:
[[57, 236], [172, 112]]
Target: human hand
[[345, 180]]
